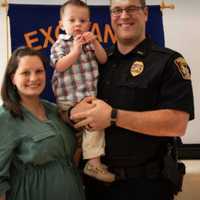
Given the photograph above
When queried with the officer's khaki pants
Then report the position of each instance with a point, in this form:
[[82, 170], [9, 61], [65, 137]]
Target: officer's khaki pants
[[93, 144]]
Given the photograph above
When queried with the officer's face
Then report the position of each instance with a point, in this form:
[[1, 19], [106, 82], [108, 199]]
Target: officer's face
[[128, 20]]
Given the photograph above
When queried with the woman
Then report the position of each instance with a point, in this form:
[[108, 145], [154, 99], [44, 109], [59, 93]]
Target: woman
[[36, 147]]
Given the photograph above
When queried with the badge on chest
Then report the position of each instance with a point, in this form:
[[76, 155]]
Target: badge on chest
[[137, 68]]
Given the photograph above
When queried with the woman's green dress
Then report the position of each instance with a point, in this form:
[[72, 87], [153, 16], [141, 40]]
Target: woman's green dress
[[36, 158]]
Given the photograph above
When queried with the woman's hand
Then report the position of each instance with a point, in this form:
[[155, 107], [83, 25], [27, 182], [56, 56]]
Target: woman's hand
[[3, 197]]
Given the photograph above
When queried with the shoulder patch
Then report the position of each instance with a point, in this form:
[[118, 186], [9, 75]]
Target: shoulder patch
[[183, 68]]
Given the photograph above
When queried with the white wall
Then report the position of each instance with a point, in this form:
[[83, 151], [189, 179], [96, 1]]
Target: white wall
[[182, 33], [3, 43]]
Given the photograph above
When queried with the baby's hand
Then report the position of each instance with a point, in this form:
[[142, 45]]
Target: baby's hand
[[89, 37], [78, 42]]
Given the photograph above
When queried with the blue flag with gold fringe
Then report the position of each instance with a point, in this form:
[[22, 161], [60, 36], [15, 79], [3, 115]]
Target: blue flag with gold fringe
[[37, 26]]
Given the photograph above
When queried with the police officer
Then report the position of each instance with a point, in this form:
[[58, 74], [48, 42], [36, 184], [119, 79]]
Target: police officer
[[146, 99]]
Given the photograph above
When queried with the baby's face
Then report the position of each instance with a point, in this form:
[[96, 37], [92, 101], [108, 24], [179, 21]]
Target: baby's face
[[75, 20]]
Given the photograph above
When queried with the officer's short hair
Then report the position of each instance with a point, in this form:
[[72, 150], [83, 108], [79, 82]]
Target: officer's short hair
[[142, 2]]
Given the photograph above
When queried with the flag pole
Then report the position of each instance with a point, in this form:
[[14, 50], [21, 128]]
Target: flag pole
[[164, 5], [4, 5]]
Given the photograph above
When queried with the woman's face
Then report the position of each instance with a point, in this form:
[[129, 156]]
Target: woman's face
[[30, 77]]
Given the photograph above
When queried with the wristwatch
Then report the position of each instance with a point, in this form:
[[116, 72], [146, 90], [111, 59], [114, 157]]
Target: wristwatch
[[113, 117]]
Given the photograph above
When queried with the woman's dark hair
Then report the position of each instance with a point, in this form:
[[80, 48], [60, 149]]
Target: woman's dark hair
[[9, 93]]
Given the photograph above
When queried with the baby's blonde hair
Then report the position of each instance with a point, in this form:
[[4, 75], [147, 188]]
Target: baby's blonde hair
[[78, 3]]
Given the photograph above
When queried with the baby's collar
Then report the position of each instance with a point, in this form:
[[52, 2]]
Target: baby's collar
[[65, 36]]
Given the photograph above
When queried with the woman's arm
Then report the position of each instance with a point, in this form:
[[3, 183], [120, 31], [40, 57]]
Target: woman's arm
[[8, 142], [3, 197]]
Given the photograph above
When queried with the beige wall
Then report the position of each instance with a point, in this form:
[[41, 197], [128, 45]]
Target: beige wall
[[191, 190]]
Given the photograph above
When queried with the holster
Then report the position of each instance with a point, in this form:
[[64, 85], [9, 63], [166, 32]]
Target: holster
[[151, 170], [173, 170]]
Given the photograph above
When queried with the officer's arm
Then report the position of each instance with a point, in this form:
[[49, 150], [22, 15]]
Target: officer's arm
[[163, 122], [166, 122]]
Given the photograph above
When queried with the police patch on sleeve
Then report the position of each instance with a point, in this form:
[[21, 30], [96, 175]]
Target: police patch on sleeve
[[183, 68]]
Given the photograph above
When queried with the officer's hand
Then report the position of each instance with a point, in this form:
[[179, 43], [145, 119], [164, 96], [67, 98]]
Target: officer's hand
[[96, 118], [83, 105]]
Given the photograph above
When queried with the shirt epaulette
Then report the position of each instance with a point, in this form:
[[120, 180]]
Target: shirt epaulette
[[163, 50]]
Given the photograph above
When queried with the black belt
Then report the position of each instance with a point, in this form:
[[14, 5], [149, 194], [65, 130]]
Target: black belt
[[150, 170]]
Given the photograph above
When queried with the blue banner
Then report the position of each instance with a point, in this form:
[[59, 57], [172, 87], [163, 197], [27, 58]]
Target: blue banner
[[37, 26]]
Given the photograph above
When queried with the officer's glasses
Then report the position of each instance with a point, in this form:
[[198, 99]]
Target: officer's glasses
[[129, 10]]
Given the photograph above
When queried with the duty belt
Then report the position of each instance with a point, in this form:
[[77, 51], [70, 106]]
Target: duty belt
[[150, 170]]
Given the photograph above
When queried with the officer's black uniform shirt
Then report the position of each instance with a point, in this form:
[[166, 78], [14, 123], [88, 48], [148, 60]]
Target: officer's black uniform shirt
[[162, 81]]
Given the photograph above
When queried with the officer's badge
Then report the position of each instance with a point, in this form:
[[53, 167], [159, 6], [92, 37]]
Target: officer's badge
[[183, 68], [137, 68]]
